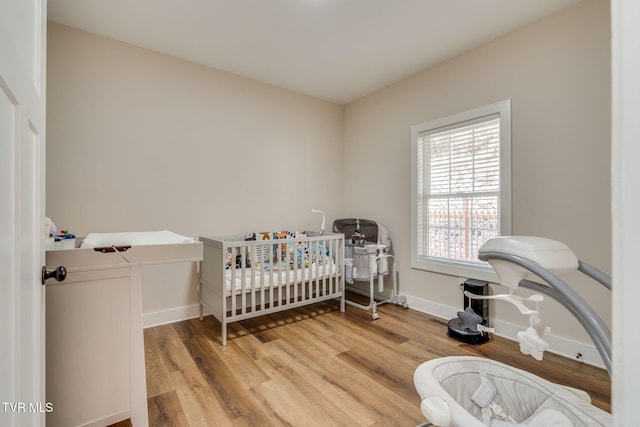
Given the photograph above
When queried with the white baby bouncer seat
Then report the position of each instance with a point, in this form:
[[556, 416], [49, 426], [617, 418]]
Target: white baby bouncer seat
[[474, 392], [467, 391]]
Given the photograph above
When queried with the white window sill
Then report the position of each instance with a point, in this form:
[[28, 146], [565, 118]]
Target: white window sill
[[461, 270]]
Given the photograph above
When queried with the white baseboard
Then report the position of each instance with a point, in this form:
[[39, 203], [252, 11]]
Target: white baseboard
[[558, 345], [171, 315]]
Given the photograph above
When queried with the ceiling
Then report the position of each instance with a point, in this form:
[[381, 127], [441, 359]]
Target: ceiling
[[336, 50]]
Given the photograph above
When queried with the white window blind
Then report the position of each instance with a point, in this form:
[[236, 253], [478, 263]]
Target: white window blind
[[458, 187]]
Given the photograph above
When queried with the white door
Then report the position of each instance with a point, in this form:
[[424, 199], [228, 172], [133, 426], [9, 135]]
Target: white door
[[625, 207], [22, 156]]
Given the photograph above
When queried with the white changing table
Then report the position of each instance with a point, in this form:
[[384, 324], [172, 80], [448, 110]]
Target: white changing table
[[95, 366]]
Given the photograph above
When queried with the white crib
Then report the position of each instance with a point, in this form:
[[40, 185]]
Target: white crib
[[241, 279]]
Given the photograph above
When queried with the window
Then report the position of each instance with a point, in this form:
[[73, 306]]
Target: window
[[460, 189]]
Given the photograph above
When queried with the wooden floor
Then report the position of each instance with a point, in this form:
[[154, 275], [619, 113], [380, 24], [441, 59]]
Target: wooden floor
[[317, 366]]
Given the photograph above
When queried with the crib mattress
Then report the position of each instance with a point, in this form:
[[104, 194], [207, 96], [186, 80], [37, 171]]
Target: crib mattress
[[257, 279]]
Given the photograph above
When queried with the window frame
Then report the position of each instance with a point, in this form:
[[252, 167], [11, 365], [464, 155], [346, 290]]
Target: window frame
[[456, 267]]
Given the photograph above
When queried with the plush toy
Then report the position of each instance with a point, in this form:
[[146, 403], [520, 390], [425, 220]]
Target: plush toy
[[229, 260], [247, 262], [238, 261], [469, 319], [281, 235]]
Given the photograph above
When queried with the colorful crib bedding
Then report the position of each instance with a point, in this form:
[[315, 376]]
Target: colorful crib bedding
[[293, 259], [295, 251], [279, 275]]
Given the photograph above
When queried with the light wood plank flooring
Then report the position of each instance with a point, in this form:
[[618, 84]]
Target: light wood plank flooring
[[315, 366]]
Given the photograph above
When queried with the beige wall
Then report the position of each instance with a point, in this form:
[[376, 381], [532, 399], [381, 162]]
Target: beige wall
[[143, 141], [140, 141], [556, 73]]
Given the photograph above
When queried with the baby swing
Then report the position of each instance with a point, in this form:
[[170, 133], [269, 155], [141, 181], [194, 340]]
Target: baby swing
[[476, 392], [467, 391], [367, 258]]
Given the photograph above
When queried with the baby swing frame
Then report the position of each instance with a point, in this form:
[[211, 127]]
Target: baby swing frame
[[559, 290]]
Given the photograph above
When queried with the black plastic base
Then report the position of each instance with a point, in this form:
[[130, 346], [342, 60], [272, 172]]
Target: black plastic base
[[455, 331]]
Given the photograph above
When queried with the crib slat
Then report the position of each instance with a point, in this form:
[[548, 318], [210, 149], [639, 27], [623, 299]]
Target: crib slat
[[275, 275], [262, 282], [340, 266], [326, 247], [318, 267], [271, 275], [302, 266], [252, 276], [294, 271], [281, 273], [332, 280], [281, 279], [326, 277], [315, 290], [325, 270], [287, 260], [233, 281], [336, 258], [243, 278]]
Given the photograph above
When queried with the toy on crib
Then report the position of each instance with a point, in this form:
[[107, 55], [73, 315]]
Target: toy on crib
[[229, 259], [238, 263], [247, 261], [281, 255], [303, 254], [318, 253]]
